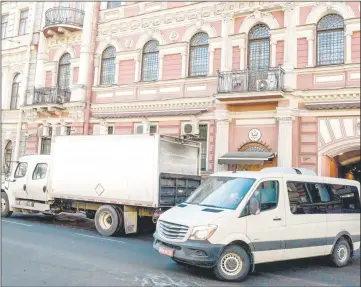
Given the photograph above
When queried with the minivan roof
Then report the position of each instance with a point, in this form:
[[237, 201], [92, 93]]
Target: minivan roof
[[259, 175]]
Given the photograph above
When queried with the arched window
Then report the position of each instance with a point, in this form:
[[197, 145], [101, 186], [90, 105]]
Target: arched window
[[259, 47], [14, 101], [198, 55], [107, 75], [64, 71], [330, 40], [150, 61]]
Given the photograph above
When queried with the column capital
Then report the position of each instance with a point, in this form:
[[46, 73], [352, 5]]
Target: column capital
[[285, 115]]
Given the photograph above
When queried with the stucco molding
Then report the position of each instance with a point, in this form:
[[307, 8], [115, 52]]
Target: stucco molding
[[259, 17], [65, 48], [321, 9], [327, 96], [341, 146], [149, 35], [110, 41], [199, 26]]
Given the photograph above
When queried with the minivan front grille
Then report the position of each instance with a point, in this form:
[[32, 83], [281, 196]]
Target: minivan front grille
[[172, 231]]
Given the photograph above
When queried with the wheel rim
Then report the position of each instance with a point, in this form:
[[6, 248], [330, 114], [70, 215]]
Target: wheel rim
[[105, 220], [342, 253], [3, 204], [231, 264]]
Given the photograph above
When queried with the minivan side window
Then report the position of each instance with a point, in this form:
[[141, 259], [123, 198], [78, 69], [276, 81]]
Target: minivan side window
[[40, 171], [345, 199], [21, 170], [267, 193]]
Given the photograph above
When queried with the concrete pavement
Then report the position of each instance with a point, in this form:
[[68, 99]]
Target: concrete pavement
[[69, 252]]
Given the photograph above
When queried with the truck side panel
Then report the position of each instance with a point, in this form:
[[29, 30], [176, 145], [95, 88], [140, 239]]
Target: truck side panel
[[119, 168]]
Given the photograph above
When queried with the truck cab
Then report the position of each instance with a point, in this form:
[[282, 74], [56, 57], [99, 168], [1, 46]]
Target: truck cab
[[27, 185]]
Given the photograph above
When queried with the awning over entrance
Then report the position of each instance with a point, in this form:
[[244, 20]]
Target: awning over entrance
[[245, 158]]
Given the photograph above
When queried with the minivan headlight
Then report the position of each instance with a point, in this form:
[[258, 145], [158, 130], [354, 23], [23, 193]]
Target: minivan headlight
[[203, 232]]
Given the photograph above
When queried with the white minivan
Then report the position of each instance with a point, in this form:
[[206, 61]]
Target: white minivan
[[235, 220]]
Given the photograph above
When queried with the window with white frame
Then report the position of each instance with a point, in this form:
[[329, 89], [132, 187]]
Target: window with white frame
[[150, 61], [45, 147], [114, 4], [259, 47], [64, 71], [203, 140], [14, 101], [198, 55], [107, 73], [4, 26], [330, 40], [23, 24], [110, 130]]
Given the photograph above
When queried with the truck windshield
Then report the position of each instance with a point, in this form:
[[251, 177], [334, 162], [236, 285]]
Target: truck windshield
[[221, 192]]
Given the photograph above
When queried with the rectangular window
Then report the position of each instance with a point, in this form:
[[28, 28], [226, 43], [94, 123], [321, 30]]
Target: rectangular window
[[344, 199], [4, 26], [203, 140], [139, 129], [153, 129], [21, 170], [23, 25], [267, 194], [40, 171], [68, 131], [45, 146], [110, 130], [114, 4]]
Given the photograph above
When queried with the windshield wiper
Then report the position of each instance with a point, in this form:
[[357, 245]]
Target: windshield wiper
[[209, 205]]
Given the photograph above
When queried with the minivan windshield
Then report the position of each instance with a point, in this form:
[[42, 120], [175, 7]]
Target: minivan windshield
[[221, 192]]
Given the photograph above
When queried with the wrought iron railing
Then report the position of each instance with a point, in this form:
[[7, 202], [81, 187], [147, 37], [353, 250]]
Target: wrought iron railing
[[250, 81], [53, 95], [65, 16]]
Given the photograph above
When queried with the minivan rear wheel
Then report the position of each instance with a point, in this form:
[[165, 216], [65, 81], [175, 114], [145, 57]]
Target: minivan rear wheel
[[341, 253], [233, 265]]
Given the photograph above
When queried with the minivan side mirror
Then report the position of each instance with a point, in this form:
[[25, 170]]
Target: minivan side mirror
[[254, 206]]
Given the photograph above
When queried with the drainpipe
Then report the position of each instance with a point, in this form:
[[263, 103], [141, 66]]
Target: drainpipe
[[91, 69], [25, 83]]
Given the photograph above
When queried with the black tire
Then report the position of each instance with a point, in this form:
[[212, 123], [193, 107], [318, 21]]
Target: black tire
[[107, 220], [120, 229], [236, 256], [5, 206], [341, 253]]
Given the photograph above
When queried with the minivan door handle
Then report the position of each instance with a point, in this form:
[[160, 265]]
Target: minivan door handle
[[24, 187], [277, 218]]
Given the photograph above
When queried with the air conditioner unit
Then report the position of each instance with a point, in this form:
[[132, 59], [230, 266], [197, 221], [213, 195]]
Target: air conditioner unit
[[143, 128], [57, 131], [190, 128], [44, 131]]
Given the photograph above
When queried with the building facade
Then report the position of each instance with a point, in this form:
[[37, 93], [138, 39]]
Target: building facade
[[257, 83], [20, 22]]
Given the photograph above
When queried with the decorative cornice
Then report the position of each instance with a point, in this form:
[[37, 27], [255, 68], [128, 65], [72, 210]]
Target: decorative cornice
[[329, 95]]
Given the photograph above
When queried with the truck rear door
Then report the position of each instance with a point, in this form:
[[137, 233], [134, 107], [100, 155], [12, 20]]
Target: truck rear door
[[38, 181]]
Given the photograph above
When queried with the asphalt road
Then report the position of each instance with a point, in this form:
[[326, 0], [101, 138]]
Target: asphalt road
[[38, 251]]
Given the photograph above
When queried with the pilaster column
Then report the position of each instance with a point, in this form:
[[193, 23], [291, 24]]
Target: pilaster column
[[211, 62], [184, 65], [285, 123], [222, 138], [160, 68], [137, 69], [273, 53], [226, 53], [96, 69], [310, 51], [116, 75], [348, 36]]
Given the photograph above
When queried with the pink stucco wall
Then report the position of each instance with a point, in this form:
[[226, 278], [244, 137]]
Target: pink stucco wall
[[51, 54], [355, 49], [131, 11], [123, 129], [172, 4], [77, 129], [302, 52], [217, 25], [31, 145], [76, 49], [238, 23], [217, 60], [126, 72], [48, 78], [308, 150], [279, 16], [172, 66], [355, 7], [179, 30], [75, 75], [304, 11], [280, 53], [235, 58]]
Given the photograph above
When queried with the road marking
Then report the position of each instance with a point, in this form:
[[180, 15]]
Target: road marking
[[313, 283], [96, 237], [16, 223]]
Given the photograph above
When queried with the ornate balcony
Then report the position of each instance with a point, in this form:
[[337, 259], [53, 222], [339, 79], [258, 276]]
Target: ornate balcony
[[62, 20], [255, 82], [51, 96]]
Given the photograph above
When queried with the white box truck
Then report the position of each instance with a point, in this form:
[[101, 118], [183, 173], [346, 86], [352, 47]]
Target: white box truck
[[114, 179]]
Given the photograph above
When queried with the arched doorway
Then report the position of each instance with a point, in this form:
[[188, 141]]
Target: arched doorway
[[256, 147], [348, 165], [8, 152]]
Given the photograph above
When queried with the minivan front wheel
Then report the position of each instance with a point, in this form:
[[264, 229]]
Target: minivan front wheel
[[233, 265], [341, 253]]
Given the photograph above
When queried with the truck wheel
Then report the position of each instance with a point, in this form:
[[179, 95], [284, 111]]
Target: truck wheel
[[107, 220], [5, 208], [233, 264], [341, 253]]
